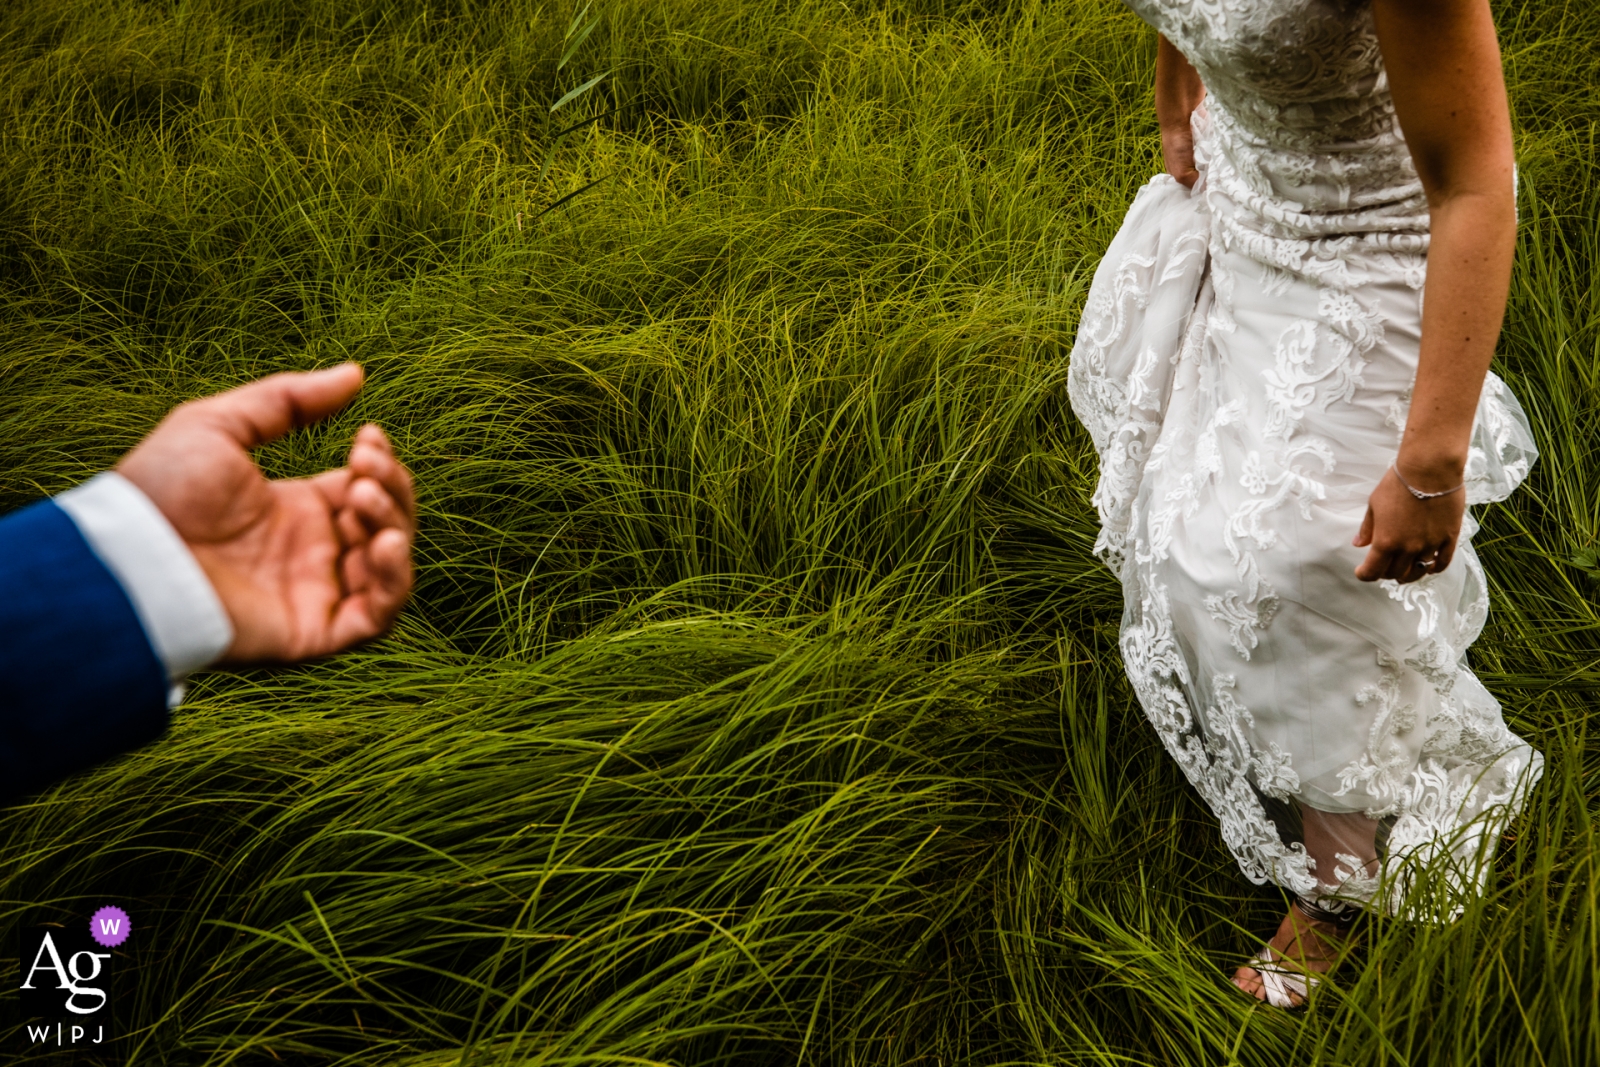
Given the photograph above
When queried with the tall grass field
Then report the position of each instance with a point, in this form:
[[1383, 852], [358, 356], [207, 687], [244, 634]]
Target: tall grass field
[[759, 702]]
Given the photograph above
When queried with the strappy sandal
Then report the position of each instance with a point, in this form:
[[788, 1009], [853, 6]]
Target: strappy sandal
[[1281, 979], [1281, 984]]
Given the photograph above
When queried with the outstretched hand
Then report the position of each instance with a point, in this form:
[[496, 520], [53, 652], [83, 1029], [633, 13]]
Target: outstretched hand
[[1407, 538], [307, 566]]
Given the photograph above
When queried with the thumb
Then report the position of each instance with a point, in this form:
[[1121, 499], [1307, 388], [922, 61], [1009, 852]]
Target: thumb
[[1364, 535], [265, 410]]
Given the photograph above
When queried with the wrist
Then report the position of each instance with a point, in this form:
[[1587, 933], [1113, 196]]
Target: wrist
[[1431, 473], [172, 593]]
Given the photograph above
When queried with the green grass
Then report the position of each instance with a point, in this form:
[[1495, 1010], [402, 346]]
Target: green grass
[[759, 703]]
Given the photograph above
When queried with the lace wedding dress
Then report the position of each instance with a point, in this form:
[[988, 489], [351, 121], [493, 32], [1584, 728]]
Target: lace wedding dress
[[1244, 366]]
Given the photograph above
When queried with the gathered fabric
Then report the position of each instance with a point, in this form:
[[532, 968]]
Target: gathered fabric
[[1244, 366]]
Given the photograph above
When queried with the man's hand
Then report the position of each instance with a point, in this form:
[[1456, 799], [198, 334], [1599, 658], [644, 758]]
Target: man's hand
[[305, 567]]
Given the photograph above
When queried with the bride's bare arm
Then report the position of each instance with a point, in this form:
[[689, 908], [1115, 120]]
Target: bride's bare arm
[[1444, 73], [1178, 93]]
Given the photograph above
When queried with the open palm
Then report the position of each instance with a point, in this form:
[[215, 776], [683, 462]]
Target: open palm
[[307, 566]]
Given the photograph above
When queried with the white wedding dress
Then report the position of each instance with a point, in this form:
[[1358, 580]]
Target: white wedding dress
[[1244, 366]]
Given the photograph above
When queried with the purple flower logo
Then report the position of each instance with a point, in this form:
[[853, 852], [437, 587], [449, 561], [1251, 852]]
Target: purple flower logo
[[110, 926]]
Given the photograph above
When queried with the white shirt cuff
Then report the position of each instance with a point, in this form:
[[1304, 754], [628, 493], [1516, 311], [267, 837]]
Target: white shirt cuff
[[183, 619]]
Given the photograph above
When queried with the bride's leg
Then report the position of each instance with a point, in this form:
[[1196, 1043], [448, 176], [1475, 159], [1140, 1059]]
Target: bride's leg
[[1329, 835], [1313, 944]]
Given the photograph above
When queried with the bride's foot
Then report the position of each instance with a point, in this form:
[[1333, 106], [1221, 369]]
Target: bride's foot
[[1302, 949]]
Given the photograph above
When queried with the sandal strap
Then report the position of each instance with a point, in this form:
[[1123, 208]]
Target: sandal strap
[[1282, 985]]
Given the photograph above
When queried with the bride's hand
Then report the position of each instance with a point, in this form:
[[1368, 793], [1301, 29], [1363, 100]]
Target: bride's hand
[[1407, 538], [1177, 151], [1179, 91]]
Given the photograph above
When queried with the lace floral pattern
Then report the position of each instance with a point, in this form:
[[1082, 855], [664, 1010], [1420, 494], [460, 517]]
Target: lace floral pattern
[[1244, 367]]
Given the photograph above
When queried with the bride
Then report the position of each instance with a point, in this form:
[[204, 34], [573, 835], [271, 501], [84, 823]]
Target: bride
[[1283, 364]]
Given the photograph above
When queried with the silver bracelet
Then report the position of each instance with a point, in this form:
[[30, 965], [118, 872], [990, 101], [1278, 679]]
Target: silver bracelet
[[1418, 493]]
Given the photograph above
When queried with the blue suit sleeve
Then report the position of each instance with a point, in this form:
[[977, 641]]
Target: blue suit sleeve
[[79, 681]]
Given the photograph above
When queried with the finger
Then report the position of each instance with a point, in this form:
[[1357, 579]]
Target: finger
[[375, 508], [384, 566], [265, 410], [1402, 565], [381, 564], [1421, 566], [352, 531], [1364, 535], [371, 456], [1447, 552], [389, 557], [1373, 566], [334, 488]]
